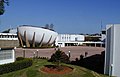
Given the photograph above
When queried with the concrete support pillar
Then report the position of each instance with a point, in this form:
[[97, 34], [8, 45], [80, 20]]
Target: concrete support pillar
[[24, 53], [95, 44], [20, 39], [101, 45], [33, 40], [49, 40], [26, 39], [40, 44]]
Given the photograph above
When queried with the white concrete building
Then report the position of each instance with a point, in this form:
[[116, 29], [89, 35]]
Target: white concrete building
[[33, 35], [69, 40], [7, 55], [112, 53]]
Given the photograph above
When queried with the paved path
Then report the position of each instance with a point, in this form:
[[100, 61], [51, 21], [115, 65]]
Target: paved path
[[75, 51]]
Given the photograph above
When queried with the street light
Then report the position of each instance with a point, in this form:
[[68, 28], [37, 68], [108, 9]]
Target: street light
[[69, 54], [24, 51], [14, 53], [14, 47], [34, 54], [37, 53]]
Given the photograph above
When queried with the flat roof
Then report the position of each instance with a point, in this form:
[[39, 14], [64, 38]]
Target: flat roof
[[7, 34]]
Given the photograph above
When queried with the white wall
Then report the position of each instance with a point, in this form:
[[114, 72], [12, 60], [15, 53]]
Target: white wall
[[70, 37], [5, 61], [8, 36], [77, 38], [112, 54]]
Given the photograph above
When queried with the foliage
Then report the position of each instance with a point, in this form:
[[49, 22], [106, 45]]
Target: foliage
[[34, 71], [59, 56], [19, 58], [2, 6], [17, 65]]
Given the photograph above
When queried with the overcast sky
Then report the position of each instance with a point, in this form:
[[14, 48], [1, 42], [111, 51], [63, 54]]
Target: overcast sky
[[68, 16]]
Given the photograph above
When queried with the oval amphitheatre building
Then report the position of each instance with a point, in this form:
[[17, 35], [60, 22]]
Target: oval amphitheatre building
[[32, 36]]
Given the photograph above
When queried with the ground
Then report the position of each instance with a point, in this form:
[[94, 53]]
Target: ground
[[34, 71], [75, 51], [53, 69]]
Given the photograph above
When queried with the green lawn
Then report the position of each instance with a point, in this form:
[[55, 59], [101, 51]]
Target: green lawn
[[33, 71]]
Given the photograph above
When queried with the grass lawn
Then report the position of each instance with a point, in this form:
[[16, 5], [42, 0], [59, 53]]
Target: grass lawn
[[33, 71]]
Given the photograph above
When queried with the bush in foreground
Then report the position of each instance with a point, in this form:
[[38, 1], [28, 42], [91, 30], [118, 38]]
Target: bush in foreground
[[59, 57], [17, 65]]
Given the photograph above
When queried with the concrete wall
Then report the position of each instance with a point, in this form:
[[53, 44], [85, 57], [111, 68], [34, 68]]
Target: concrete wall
[[9, 43]]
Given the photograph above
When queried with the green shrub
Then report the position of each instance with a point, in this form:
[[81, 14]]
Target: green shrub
[[59, 56], [20, 64], [19, 58]]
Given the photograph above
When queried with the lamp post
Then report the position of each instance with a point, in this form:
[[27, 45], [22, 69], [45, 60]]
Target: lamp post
[[37, 53], [69, 54], [14, 57], [34, 54], [24, 51]]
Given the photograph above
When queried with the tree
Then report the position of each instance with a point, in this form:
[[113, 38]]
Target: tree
[[47, 26], [51, 26], [2, 8], [59, 57]]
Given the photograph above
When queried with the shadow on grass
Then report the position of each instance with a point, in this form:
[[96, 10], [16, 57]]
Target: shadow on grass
[[94, 62]]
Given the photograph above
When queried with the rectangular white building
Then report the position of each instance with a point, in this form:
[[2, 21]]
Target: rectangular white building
[[69, 40], [7, 55], [112, 53]]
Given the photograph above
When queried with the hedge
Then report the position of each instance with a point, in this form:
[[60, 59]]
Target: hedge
[[17, 65]]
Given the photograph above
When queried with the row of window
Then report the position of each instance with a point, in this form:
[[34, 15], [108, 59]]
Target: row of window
[[5, 54], [8, 36], [76, 39], [65, 37]]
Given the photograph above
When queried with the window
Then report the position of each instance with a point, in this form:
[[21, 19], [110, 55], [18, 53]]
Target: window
[[15, 36], [103, 32], [76, 39]]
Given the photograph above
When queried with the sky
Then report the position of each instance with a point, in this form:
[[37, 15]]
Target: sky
[[67, 16]]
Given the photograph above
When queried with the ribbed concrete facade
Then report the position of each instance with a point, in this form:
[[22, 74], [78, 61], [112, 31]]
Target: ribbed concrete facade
[[31, 36]]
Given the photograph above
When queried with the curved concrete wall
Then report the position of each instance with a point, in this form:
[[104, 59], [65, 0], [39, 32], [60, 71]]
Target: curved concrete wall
[[37, 35]]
